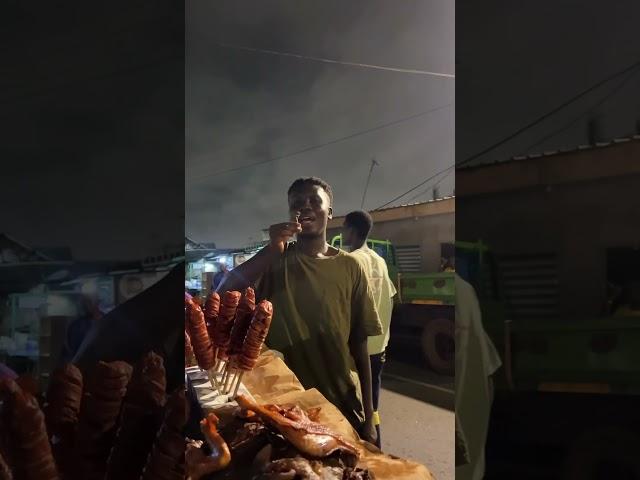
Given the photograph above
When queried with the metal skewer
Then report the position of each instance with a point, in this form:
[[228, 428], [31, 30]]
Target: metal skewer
[[297, 218]]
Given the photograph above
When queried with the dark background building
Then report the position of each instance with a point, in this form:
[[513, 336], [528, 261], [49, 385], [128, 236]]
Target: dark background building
[[573, 216]]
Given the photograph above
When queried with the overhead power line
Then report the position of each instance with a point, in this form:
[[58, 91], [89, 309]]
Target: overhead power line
[[564, 104], [587, 112], [416, 187], [338, 62], [322, 145], [418, 195], [549, 113], [366, 186]]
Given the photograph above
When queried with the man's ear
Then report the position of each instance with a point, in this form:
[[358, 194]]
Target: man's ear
[[330, 213]]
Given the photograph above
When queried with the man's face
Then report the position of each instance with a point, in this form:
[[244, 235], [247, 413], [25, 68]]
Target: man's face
[[313, 205]]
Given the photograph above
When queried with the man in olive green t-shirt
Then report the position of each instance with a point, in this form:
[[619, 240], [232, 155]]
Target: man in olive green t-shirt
[[323, 308]]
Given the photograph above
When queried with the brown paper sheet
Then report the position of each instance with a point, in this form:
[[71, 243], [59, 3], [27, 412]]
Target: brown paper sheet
[[270, 378], [272, 382]]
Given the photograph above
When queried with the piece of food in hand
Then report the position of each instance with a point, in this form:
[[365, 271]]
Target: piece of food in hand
[[102, 401], [310, 438], [200, 465], [244, 314], [140, 419], [256, 335], [224, 323], [202, 346], [31, 456]]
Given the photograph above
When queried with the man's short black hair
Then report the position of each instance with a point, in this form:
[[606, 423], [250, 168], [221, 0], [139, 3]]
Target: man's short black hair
[[360, 221], [301, 182]]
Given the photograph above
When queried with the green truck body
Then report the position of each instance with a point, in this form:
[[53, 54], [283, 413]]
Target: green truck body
[[567, 388], [590, 355]]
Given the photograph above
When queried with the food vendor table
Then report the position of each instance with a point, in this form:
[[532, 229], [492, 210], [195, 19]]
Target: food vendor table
[[272, 381]]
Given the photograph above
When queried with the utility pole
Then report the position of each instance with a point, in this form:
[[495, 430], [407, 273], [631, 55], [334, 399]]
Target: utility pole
[[364, 195]]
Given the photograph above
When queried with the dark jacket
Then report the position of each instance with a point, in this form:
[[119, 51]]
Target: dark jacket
[[152, 320]]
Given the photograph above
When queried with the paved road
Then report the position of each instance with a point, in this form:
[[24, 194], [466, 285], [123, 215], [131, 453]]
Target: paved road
[[415, 420]]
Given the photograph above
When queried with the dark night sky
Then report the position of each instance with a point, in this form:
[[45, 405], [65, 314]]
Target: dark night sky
[[518, 60], [92, 111], [94, 160], [245, 107]]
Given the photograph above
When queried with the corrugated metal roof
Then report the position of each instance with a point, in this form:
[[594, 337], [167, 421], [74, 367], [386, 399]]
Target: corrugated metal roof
[[550, 153]]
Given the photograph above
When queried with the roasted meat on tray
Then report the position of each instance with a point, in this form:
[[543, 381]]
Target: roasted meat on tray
[[310, 438], [200, 464]]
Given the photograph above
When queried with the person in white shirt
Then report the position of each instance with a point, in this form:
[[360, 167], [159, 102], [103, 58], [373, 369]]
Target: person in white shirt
[[356, 228], [477, 360]]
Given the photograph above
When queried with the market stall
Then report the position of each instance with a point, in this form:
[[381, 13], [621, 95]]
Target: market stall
[[256, 419]]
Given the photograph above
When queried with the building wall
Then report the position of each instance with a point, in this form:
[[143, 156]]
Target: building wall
[[577, 221], [429, 232]]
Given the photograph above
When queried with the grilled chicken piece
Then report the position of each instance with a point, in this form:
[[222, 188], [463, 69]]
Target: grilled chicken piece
[[200, 465], [310, 438]]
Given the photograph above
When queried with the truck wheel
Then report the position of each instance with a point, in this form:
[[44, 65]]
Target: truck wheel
[[438, 345], [602, 454]]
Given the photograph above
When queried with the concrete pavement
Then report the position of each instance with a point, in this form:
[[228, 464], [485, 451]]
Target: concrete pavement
[[417, 417], [418, 431]]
